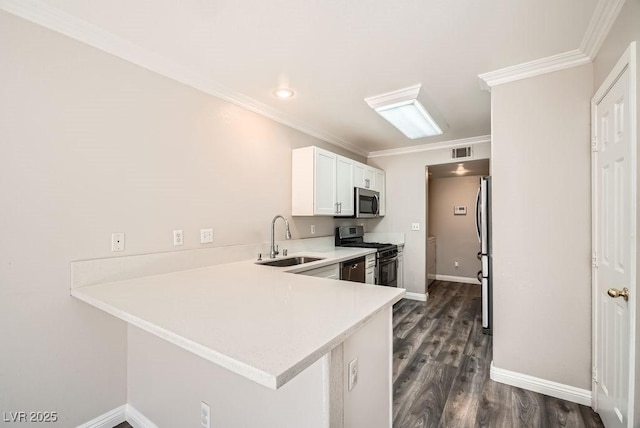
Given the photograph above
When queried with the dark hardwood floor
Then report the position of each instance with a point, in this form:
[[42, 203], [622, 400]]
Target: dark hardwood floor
[[441, 367]]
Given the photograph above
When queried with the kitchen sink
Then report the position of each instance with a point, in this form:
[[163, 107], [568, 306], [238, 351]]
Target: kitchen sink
[[290, 261]]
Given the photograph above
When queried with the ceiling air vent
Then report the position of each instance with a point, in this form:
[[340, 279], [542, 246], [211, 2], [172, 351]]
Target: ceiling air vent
[[461, 153]]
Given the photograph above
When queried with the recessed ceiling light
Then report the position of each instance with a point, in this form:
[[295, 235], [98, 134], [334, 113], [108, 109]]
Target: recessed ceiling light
[[402, 109], [283, 93], [460, 170]]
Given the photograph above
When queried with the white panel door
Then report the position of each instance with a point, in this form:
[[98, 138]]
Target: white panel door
[[614, 244], [324, 194]]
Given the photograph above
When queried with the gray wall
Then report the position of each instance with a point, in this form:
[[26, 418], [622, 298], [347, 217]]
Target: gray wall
[[540, 167], [92, 145], [625, 30], [456, 238]]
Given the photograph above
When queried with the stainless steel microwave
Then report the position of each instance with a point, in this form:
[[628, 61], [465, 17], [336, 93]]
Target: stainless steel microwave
[[367, 203]]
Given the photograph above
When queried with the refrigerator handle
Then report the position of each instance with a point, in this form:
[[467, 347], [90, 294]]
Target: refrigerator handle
[[478, 215]]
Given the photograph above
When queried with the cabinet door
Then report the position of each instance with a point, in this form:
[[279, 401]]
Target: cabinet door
[[369, 178], [370, 276], [358, 174], [380, 187], [344, 186], [329, 272], [324, 194]]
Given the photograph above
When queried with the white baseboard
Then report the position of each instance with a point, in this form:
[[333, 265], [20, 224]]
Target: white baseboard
[[543, 386], [117, 416], [422, 297], [137, 419], [107, 420], [462, 279]]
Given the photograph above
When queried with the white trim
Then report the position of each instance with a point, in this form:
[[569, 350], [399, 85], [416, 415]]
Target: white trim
[[603, 18], [137, 419], [120, 414], [462, 279], [542, 386], [432, 146], [604, 15], [108, 420], [55, 19], [537, 67], [421, 297]]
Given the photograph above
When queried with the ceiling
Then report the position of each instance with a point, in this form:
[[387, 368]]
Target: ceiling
[[448, 170], [333, 54]]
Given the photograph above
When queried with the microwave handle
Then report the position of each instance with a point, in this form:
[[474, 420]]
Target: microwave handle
[[376, 205]]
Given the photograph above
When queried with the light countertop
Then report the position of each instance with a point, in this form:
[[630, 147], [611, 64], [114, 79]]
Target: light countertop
[[264, 323]]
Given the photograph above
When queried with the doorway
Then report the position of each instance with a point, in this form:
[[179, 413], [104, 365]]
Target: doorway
[[452, 241]]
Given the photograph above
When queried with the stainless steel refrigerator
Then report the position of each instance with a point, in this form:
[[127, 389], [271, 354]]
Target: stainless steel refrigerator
[[483, 228]]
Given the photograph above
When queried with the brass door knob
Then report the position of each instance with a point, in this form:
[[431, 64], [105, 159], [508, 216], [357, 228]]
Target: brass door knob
[[624, 293]]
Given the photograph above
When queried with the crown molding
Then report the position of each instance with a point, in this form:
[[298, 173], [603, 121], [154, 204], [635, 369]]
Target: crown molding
[[537, 67], [59, 21], [602, 20], [433, 146]]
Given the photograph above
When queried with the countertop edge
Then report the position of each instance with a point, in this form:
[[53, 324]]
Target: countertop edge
[[289, 374], [249, 372]]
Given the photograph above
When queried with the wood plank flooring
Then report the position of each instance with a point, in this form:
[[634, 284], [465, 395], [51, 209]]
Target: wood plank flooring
[[441, 367]]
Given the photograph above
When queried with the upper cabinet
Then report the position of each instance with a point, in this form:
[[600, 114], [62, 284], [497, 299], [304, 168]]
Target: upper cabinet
[[321, 183]]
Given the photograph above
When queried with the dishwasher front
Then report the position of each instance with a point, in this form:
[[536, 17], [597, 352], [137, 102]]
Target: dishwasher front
[[353, 270]]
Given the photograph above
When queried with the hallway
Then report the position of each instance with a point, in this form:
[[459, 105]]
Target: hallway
[[441, 369]]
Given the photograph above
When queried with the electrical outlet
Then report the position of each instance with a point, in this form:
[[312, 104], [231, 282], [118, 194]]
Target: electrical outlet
[[178, 237], [206, 236], [353, 373], [117, 241], [456, 264], [313, 229], [415, 226], [205, 415]]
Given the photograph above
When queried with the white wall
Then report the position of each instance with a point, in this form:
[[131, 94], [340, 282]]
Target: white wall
[[91, 145], [540, 167], [407, 203], [456, 236]]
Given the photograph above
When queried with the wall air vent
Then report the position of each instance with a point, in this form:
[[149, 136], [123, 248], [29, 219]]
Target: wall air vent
[[461, 153]]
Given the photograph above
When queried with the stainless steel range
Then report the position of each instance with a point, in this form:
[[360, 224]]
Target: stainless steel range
[[386, 255]]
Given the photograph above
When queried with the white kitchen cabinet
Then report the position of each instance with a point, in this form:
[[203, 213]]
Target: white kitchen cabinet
[[370, 273], [401, 266], [368, 177], [379, 186], [344, 186], [321, 183], [364, 176], [329, 272]]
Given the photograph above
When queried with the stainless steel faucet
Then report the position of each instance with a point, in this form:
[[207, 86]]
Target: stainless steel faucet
[[274, 249]]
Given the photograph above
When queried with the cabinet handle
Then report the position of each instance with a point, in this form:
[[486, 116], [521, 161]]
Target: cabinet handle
[[340, 207]]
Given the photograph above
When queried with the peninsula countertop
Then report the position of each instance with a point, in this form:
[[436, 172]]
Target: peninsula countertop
[[264, 323]]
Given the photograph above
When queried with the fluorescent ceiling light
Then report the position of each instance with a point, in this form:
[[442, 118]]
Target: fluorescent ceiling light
[[404, 111]]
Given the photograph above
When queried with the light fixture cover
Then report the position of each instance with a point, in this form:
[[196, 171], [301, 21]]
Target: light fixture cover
[[404, 111]]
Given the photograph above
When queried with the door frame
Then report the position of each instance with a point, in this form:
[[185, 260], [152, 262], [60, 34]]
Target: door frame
[[628, 60]]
